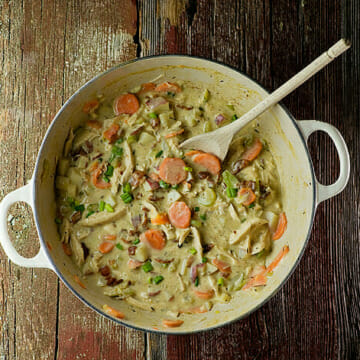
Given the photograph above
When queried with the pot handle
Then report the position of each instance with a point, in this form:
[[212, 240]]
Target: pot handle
[[22, 194], [324, 192]]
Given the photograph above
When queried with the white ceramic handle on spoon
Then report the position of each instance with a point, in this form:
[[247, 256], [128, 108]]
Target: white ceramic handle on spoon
[[297, 80]]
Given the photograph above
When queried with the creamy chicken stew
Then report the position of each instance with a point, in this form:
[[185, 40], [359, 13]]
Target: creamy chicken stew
[[164, 229]]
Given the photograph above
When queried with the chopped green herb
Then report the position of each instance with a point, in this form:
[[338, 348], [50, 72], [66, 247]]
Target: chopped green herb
[[201, 108], [220, 281], [131, 139], [58, 220], [136, 241], [101, 205], [231, 192], [193, 251], [196, 223], [196, 208], [109, 208], [203, 217], [204, 259], [158, 279], [159, 154], [243, 220], [89, 213], [119, 141], [197, 281], [260, 254], [106, 179], [188, 169], [163, 184], [119, 246], [251, 206], [152, 115], [117, 150], [234, 117], [127, 188], [147, 267], [126, 198], [109, 171], [150, 280], [175, 187], [80, 208], [231, 107]]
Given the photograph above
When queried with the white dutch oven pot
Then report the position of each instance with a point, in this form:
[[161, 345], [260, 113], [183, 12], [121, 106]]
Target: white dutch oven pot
[[287, 139]]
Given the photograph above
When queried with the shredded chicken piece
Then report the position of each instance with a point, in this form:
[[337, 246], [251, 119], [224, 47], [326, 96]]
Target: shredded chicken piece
[[103, 217], [128, 163]]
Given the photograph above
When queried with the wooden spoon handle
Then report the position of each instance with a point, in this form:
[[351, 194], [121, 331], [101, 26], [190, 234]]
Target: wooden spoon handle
[[298, 79]]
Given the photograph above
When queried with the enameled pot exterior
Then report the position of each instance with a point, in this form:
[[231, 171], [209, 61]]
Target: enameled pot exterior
[[287, 140]]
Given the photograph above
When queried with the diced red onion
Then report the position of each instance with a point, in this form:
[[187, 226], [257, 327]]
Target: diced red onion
[[219, 119]]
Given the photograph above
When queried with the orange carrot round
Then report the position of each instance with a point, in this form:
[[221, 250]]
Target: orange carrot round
[[126, 104], [281, 227], [180, 215], [172, 171], [90, 106], [168, 87], [111, 133], [147, 87], [113, 312], [223, 266], [160, 219], [172, 323], [208, 161], [105, 247], [248, 195], [155, 238], [253, 151], [204, 294]]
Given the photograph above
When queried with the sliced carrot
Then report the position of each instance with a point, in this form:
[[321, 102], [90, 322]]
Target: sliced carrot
[[109, 237], [253, 151], [248, 194], [193, 152], [172, 171], [168, 87], [134, 264], [172, 323], [90, 106], [223, 266], [208, 161], [204, 294], [94, 124], [173, 134], [160, 219], [277, 260], [67, 249], [147, 87], [126, 104], [105, 247], [155, 238], [99, 183], [113, 312], [281, 227], [257, 280], [77, 279], [194, 310], [180, 215], [111, 133]]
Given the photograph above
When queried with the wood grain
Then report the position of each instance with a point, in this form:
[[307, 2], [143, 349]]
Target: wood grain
[[50, 48]]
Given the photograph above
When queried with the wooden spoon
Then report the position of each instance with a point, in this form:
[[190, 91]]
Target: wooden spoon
[[217, 142]]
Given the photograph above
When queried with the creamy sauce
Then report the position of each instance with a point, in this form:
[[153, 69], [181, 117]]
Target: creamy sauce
[[111, 189]]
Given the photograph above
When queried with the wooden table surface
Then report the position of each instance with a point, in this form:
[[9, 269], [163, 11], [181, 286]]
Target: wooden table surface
[[50, 48]]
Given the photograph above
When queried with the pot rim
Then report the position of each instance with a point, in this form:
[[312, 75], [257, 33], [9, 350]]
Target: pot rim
[[98, 310]]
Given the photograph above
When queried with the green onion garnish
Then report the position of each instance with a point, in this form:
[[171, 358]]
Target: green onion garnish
[[147, 266], [117, 150], [109, 171], [195, 223], [193, 251], [175, 187], [109, 208], [234, 117], [89, 213], [196, 208], [220, 281], [101, 205], [80, 208], [231, 192], [203, 217], [149, 280], [188, 169], [106, 179], [204, 259], [127, 188], [126, 198], [152, 115], [119, 246], [158, 279], [136, 241], [251, 206], [163, 184], [243, 220], [159, 154], [197, 281], [260, 254], [119, 141]]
